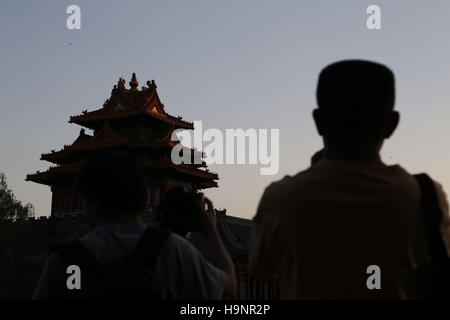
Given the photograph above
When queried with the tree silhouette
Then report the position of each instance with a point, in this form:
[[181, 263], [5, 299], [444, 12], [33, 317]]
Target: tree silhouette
[[12, 209]]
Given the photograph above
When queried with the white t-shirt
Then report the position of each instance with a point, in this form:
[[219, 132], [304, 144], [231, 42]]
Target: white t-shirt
[[180, 267], [321, 229]]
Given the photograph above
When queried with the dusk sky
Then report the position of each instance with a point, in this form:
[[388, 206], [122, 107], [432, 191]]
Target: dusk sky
[[229, 63]]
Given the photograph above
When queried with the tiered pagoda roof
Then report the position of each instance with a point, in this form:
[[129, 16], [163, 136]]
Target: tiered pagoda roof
[[124, 106]]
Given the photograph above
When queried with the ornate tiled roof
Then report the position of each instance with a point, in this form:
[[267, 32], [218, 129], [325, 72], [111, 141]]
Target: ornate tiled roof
[[106, 137], [126, 103]]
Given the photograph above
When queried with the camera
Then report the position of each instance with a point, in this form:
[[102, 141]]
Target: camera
[[180, 211]]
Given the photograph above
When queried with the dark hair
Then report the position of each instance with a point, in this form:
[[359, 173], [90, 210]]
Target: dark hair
[[180, 210], [116, 181], [356, 97]]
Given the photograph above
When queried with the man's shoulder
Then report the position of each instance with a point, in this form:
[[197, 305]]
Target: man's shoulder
[[125, 238], [176, 242], [181, 254], [333, 173], [288, 183], [178, 248], [292, 181]]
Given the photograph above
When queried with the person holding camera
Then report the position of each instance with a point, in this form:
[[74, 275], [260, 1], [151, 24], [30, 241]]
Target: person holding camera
[[121, 257], [184, 212]]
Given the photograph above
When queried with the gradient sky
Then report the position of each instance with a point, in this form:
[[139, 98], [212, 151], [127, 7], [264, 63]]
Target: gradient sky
[[230, 63]]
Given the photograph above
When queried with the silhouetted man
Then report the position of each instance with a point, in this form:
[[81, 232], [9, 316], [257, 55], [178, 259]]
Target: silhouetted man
[[320, 230], [113, 186]]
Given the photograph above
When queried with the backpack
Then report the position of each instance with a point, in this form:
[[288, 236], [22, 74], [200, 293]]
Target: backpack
[[130, 278], [433, 278]]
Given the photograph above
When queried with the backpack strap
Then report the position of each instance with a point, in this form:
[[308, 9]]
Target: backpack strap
[[433, 217], [150, 246]]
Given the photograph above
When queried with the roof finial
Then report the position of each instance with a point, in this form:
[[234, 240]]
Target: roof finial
[[133, 83]]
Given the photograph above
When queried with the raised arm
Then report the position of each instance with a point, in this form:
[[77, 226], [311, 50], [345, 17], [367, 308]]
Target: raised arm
[[209, 221]]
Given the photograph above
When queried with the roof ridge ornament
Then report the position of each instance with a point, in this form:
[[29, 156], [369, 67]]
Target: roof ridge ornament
[[121, 84], [134, 82], [151, 84]]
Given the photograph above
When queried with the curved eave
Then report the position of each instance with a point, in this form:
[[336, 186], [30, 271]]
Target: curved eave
[[41, 178], [91, 119], [111, 144], [204, 179], [191, 170], [55, 157], [64, 155], [53, 173], [179, 123], [207, 184], [48, 177], [97, 145]]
